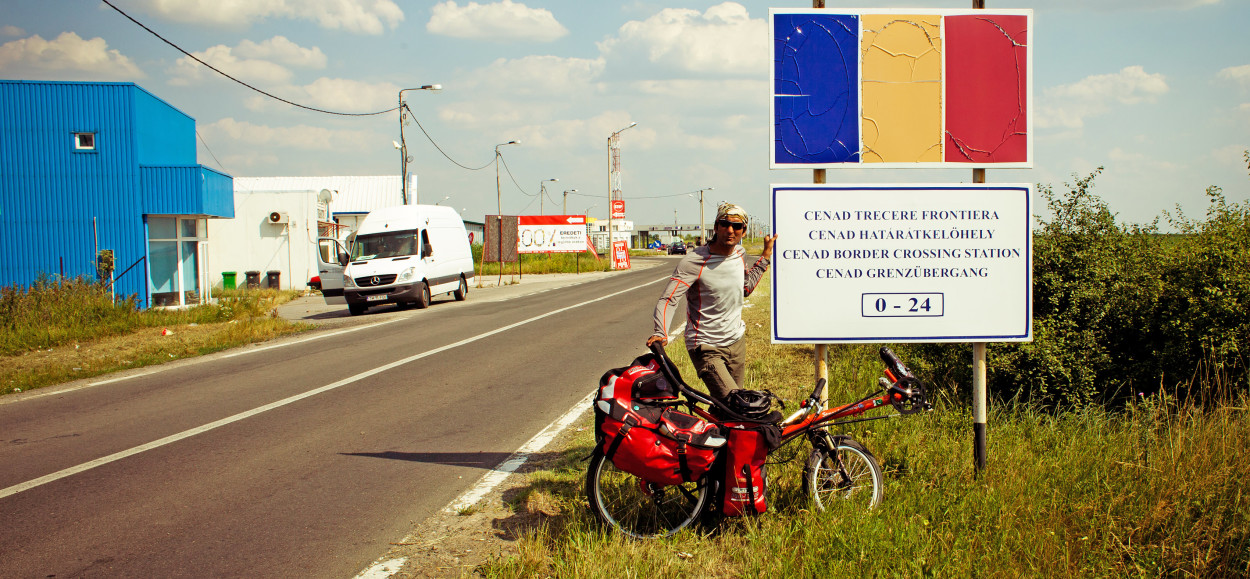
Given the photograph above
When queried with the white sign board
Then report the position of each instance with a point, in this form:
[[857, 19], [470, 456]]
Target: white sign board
[[902, 263], [551, 233]]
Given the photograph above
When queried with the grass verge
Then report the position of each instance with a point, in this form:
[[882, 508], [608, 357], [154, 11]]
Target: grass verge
[[1154, 490], [61, 331]]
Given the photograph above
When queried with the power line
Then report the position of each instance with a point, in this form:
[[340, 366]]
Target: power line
[[216, 70], [510, 176], [440, 149], [210, 151]]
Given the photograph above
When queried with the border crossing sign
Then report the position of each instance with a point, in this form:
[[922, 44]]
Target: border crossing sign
[[902, 263]]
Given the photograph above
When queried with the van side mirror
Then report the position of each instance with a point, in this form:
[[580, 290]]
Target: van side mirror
[[343, 258], [427, 250]]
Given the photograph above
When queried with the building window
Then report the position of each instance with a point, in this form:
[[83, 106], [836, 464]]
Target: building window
[[84, 141], [174, 250]]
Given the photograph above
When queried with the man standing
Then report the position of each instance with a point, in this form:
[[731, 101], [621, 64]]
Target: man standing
[[714, 279]]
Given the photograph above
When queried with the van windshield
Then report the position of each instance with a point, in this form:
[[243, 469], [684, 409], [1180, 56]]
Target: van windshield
[[383, 245]]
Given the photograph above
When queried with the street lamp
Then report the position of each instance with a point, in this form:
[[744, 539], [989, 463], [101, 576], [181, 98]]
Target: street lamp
[[702, 228], [542, 192], [403, 145], [566, 200], [614, 182], [443, 199], [498, 191]]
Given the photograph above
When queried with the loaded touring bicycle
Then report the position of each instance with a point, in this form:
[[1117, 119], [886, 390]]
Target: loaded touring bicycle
[[657, 469]]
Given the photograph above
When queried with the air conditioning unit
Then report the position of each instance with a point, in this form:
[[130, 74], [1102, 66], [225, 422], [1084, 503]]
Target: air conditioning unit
[[278, 217]]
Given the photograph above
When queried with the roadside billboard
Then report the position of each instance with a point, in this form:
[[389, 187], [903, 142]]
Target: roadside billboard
[[551, 234]]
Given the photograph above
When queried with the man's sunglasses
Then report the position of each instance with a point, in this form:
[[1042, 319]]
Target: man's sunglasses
[[734, 224]]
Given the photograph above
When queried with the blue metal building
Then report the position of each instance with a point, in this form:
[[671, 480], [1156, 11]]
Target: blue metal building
[[91, 168]]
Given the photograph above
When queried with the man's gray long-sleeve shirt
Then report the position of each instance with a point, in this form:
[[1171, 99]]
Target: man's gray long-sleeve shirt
[[713, 286]]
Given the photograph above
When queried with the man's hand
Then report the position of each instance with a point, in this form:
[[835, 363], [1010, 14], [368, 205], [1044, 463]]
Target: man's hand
[[768, 246], [663, 340]]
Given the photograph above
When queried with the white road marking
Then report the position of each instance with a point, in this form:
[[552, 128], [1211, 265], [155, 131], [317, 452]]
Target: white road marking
[[159, 369], [285, 401], [383, 569], [491, 479]]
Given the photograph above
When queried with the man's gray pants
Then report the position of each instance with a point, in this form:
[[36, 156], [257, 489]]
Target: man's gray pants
[[721, 369]]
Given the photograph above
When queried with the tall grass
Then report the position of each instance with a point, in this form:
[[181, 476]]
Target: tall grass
[[63, 329], [1152, 490], [537, 263]]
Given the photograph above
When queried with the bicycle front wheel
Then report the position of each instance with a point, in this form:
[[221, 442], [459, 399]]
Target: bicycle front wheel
[[640, 509], [847, 475]]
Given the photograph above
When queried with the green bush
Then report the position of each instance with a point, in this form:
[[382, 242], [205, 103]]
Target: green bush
[[1123, 309]]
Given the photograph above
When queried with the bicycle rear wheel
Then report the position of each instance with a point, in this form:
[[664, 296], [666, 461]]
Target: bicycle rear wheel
[[640, 509], [849, 475]]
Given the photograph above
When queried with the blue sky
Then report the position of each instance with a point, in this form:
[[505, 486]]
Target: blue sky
[[1157, 92]]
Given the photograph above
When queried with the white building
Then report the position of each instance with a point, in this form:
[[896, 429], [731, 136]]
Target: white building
[[277, 221], [622, 230]]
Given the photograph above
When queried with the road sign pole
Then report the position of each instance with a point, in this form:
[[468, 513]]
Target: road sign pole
[[978, 361]]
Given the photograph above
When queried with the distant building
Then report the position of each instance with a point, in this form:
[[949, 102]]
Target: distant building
[[622, 230], [279, 220], [92, 170]]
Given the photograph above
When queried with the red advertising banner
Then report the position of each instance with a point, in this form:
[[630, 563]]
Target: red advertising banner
[[620, 255], [618, 209], [551, 233]]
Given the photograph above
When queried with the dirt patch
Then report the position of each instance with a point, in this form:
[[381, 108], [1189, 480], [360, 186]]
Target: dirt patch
[[458, 544]]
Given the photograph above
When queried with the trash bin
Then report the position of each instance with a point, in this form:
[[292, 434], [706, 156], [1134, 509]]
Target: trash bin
[[272, 278], [253, 279], [227, 279]]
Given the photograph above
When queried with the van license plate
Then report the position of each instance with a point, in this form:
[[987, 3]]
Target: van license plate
[[377, 298]]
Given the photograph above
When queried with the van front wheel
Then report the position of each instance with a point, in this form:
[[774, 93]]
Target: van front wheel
[[424, 300], [356, 310]]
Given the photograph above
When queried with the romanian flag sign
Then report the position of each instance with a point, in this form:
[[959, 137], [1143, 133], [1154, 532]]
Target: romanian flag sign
[[901, 88]]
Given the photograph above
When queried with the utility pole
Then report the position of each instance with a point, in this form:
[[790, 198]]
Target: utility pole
[[614, 183], [542, 192], [403, 145]]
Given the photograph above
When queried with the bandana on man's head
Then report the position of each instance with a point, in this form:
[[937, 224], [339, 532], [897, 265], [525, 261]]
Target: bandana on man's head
[[726, 209]]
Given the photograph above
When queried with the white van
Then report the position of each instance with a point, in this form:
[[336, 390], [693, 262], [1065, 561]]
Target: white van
[[403, 255]]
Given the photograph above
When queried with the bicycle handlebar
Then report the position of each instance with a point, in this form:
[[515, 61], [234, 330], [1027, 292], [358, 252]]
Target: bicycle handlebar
[[894, 364], [670, 371]]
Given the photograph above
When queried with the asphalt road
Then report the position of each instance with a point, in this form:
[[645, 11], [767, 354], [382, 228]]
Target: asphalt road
[[309, 456]]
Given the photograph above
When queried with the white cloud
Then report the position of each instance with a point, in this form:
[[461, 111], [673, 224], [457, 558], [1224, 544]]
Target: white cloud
[[304, 137], [1231, 155], [68, 57], [359, 16], [249, 61], [1067, 106], [333, 94], [187, 71], [1243, 112], [542, 75], [350, 96], [724, 40], [506, 21], [282, 50], [1237, 74], [10, 30]]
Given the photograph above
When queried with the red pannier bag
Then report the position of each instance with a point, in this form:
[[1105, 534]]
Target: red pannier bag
[[646, 438], [744, 485]]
